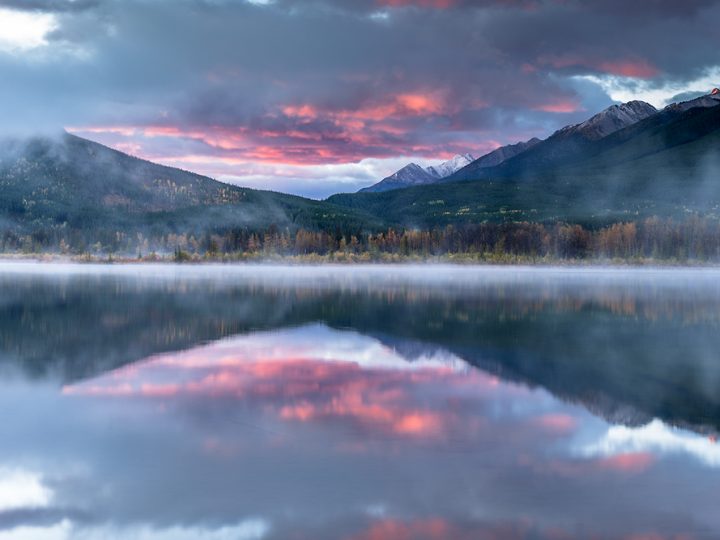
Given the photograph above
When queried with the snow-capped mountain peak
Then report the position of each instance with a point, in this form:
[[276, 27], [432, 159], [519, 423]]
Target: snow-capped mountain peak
[[708, 100], [414, 175], [451, 166], [612, 119], [408, 172]]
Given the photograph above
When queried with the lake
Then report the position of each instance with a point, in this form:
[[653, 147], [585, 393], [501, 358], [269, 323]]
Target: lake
[[358, 402]]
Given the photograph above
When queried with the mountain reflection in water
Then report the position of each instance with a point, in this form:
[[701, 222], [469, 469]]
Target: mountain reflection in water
[[547, 404]]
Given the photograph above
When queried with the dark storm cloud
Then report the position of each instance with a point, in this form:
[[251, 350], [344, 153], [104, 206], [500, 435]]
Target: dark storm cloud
[[667, 43], [325, 81], [647, 8]]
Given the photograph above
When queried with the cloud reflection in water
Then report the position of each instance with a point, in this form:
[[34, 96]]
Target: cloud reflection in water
[[318, 433]]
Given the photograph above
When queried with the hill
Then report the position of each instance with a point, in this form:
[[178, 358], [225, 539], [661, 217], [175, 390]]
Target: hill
[[55, 184]]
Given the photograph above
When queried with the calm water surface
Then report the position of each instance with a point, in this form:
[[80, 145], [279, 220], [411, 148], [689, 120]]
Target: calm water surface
[[358, 403]]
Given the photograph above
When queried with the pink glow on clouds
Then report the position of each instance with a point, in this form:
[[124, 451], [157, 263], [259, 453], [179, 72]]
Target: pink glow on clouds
[[159, 390], [638, 69], [290, 383], [304, 150], [395, 107], [281, 147], [561, 107], [624, 67], [436, 528], [305, 134], [214, 136], [315, 149], [297, 389], [557, 423], [301, 111], [444, 529], [420, 103], [629, 462], [390, 529], [369, 391]]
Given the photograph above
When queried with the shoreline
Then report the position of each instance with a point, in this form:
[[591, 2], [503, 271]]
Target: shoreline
[[328, 261]]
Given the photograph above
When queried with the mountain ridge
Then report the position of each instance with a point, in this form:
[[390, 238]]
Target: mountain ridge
[[452, 165], [413, 174], [564, 144], [572, 144], [665, 165]]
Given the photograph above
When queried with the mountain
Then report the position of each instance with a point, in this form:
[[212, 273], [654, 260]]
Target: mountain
[[562, 145], [709, 100], [566, 146], [52, 184], [569, 144], [666, 164], [410, 175], [453, 165], [498, 156], [612, 119], [414, 175]]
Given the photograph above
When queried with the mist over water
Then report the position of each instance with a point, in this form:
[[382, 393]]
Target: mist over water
[[362, 402]]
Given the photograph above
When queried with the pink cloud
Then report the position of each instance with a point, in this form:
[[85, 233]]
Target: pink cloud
[[306, 134], [629, 462], [638, 69], [624, 67], [557, 423], [560, 107], [435, 528]]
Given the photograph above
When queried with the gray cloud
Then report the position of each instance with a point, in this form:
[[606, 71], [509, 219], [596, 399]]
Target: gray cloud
[[323, 81], [50, 5]]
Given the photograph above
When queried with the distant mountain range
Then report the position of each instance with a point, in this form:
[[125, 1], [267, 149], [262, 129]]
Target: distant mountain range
[[624, 163], [576, 143], [565, 141], [414, 175]]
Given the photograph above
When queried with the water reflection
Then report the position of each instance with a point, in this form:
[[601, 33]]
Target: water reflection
[[314, 375], [264, 410]]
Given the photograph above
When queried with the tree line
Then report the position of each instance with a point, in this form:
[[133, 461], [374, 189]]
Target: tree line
[[694, 238]]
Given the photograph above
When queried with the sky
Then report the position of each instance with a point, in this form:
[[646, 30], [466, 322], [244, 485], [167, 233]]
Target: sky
[[315, 97]]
